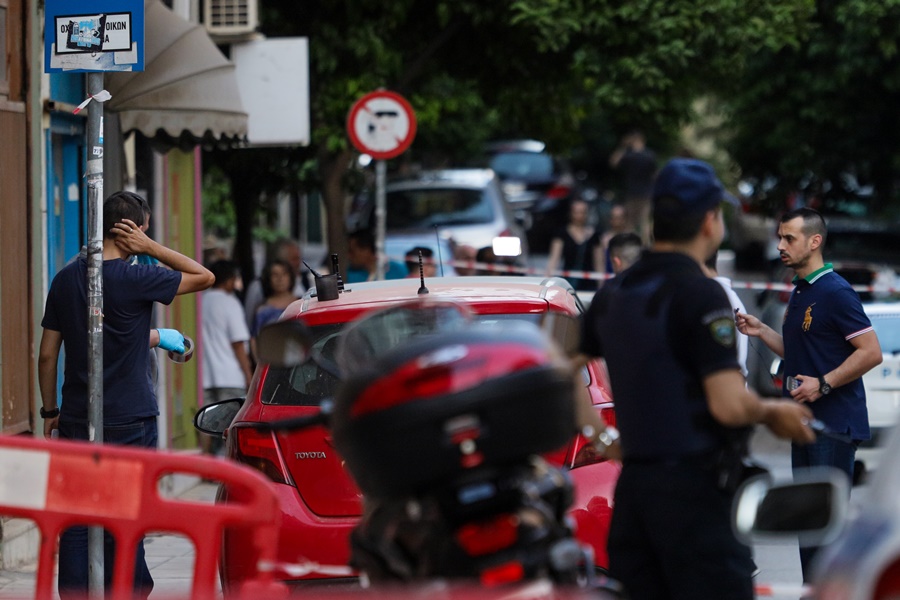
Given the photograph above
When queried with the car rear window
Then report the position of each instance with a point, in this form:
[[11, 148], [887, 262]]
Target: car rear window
[[424, 208], [308, 384], [530, 166]]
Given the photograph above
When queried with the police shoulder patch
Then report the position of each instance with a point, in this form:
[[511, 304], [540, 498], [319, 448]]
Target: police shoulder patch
[[723, 331]]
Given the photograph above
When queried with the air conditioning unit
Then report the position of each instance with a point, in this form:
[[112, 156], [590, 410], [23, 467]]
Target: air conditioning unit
[[230, 17]]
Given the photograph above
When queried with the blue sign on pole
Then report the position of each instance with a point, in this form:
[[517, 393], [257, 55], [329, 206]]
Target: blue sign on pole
[[93, 35]]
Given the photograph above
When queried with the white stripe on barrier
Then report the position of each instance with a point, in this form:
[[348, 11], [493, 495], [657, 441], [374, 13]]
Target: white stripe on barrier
[[23, 478]]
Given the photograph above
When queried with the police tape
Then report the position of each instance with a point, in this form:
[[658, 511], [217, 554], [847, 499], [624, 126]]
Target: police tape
[[469, 267]]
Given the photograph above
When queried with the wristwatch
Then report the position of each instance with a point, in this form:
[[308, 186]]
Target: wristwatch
[[49, 414], [824, 386]]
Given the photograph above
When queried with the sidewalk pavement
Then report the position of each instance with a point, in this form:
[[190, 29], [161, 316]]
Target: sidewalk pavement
[[169, 556]]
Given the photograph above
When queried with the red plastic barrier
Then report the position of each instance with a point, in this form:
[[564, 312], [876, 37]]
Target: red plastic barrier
[[59, 484]]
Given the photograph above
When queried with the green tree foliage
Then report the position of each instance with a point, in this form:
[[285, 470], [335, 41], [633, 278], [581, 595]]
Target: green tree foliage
[[476, 70], [808, 116]]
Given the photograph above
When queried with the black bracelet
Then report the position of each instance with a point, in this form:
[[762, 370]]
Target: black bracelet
[[49, 414]]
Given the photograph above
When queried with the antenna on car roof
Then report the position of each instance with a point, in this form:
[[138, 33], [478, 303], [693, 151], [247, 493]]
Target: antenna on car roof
[[336, 269], [422, 288], [326, 285], [311, 270]]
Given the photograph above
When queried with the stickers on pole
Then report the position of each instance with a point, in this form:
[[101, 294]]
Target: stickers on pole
[[93, 35]]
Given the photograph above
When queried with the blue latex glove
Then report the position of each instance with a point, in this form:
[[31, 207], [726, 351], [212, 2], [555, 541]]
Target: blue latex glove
[[171, 339]]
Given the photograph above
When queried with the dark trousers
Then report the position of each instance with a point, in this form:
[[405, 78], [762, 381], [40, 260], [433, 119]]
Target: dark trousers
[[671, 536], [824, 452], [73, 545]]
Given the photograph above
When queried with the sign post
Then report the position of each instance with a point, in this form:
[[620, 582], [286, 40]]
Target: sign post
[[381, 124], [105, 35]]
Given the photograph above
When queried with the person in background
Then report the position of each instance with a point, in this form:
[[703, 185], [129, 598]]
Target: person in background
[[286, 250], [637, 165], [736, 304], [684, 411], [466, 254], [278, 281], [827, 343], [214, 250], [486, 256], [226, 362], [429, 267], [578, 245], [624, 250], [130, 409], [617, 224], [364, 261]]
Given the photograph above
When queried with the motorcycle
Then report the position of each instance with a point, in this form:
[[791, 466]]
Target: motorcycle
[[467, 409]]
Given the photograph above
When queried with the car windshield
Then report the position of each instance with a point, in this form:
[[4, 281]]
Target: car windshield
[[308, 384], [887, 328], [429, 207], [530, 166]]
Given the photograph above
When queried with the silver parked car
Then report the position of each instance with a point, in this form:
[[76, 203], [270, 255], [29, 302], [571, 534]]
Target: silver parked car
[[466, 206]]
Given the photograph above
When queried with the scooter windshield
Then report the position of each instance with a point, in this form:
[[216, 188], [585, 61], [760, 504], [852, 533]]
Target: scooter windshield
[[364, 341]]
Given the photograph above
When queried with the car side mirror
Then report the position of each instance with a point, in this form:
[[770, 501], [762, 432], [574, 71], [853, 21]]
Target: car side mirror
[[812, 507], [284, 344], [214, 419]]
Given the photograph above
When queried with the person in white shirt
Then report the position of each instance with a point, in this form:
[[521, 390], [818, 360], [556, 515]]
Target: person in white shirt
[[226, 359], [742, 340]]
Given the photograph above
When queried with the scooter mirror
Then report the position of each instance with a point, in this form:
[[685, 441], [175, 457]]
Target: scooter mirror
[[375, 335], [811, 508], [284, 344]]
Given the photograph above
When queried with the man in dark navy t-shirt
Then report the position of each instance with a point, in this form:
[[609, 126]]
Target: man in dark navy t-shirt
[[129, 403], [827, 343]]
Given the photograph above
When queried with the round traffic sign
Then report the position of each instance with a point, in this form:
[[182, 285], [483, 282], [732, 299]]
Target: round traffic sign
[[381, 124]]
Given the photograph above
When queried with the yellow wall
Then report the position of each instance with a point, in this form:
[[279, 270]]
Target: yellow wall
[[180, 219]]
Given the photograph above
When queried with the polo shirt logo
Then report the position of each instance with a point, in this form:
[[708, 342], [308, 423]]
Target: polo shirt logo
[[807, 317]]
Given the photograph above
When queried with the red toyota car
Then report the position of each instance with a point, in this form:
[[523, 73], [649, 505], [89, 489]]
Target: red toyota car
[[319, 502]]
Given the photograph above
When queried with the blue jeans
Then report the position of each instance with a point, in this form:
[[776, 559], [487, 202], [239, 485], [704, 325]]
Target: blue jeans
[[73, 545], [825, 451]]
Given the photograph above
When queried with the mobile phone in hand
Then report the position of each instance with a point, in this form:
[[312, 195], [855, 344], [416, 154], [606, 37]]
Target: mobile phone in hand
[[792, 383]]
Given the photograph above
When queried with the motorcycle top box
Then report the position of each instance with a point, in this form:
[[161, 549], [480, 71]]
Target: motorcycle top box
[[463, 399]]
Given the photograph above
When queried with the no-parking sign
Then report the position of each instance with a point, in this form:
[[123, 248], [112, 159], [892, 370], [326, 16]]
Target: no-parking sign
[[381, 124]]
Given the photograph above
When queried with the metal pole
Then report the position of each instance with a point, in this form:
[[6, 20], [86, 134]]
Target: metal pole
[[95, 307], [380, 216]]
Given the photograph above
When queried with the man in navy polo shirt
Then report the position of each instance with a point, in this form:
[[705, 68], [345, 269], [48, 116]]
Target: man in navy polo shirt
[[827, 343]]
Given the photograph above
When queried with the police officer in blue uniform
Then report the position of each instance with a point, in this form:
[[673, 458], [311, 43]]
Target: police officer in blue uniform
[[684, 413]]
